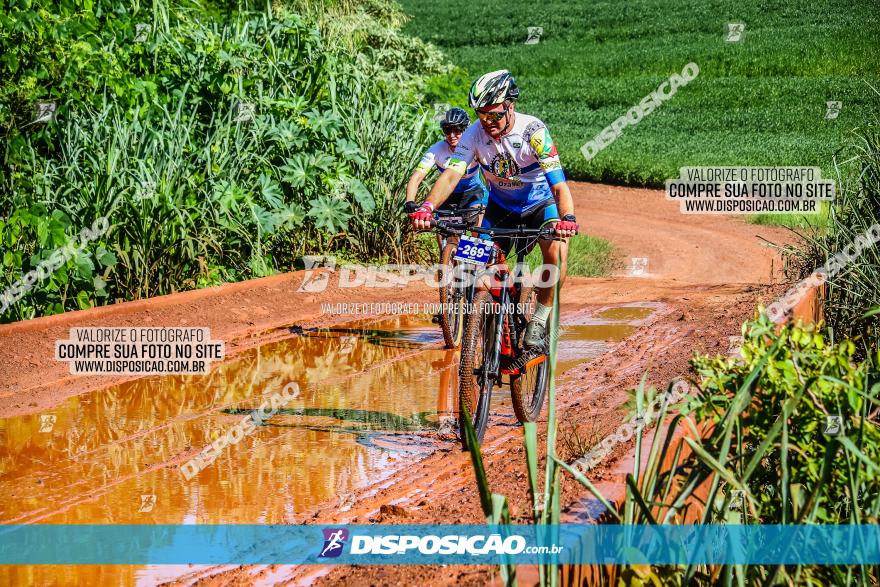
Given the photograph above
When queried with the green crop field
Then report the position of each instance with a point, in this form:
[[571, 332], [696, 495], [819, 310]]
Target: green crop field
[[758, 101]]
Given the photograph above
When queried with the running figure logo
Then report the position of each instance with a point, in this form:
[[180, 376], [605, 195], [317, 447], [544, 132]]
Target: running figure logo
[[735, 32], [334, 539], [833, 109], [47, 421], [534, 35], [147, 503]]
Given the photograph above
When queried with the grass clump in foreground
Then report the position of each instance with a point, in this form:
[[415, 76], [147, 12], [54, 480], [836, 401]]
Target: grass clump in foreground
[[768, 447], [757, 447], [759, 101]]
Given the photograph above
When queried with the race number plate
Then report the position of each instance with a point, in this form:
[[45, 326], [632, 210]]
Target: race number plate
[[473, 250]]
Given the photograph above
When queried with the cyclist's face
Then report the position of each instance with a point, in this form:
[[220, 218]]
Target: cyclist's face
[[453, 135], [496, 117]]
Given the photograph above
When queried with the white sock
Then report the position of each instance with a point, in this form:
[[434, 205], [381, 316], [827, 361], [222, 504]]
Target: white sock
[[542, 312]]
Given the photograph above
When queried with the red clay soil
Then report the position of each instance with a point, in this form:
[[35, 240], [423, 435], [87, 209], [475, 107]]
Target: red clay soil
[[706, 274], [244, 315]]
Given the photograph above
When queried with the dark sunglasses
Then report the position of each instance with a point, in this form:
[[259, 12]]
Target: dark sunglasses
[[452, 128], [493, 116]]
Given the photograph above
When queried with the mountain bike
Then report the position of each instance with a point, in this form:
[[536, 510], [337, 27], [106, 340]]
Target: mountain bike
[[498, 311], [451, 317]]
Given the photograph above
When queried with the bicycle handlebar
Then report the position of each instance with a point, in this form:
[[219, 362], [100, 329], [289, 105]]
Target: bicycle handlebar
[[461, 212], [516, 231], [455, 227], [460, 228]]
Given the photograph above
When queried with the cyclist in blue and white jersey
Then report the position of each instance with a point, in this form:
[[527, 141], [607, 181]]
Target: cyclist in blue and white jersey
[[470, 191], [526, 181]]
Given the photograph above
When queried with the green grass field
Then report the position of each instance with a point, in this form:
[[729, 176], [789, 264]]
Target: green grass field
[[587, 257], [759, 101]]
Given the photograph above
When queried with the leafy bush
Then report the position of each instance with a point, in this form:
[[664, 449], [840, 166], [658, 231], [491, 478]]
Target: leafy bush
[[760, 452], [765, 454], [782, 446], [219, 143], [72, 271]]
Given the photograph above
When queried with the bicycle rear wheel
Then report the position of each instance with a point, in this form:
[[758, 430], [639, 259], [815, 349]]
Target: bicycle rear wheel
[[527, 390], [451, 297], [478, 365]]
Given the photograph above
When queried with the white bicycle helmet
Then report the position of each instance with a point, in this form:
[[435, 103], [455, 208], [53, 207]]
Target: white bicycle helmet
[[493, 88]]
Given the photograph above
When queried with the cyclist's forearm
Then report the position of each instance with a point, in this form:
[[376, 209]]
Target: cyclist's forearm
[[412, 187], [564, 202], [443, 187]]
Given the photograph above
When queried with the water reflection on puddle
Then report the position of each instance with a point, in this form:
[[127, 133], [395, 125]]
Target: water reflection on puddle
[[622, 313]]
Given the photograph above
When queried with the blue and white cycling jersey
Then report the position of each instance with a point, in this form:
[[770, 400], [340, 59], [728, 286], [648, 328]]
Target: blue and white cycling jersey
[[519, 168], [438, 155]]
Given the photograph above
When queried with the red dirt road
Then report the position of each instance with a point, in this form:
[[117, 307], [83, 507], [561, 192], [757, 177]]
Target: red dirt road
[[704, 249], [705, 275]]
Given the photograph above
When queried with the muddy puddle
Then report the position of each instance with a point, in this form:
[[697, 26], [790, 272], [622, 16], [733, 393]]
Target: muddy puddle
[[590, 337], [624, 313], [372, 397]]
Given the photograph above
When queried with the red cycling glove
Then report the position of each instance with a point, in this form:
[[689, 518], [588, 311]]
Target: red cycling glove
[[424, 213], [566, 225]]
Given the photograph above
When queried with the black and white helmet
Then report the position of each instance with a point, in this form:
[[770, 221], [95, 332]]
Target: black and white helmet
[[493, 88], [455, 118]]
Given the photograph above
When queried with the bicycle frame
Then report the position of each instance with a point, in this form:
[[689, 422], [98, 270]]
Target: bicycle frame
[[503, 291], [490, 347]]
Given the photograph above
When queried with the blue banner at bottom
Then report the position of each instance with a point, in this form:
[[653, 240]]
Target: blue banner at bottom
[[439, 544]]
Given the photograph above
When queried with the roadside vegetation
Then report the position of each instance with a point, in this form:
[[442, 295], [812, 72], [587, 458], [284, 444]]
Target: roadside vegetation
[[220, 143], [852, 295], [786, 433], [587, 257], [751, 444], [759, 101]]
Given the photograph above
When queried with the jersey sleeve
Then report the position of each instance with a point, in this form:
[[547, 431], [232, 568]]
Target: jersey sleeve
[[464, 152], [428, 160], [548, 157]]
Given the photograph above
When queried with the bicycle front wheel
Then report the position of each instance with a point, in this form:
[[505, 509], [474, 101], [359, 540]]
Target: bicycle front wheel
[[479, 352]]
